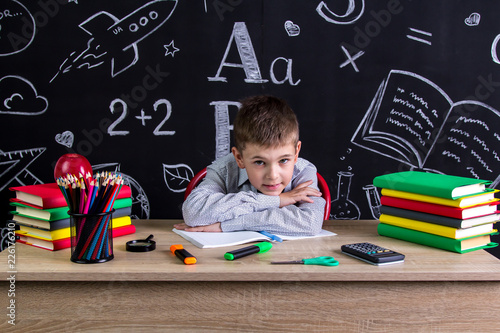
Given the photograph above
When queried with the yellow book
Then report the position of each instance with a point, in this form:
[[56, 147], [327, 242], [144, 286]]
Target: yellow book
[[436, 229], [460, 202], [65, 232]]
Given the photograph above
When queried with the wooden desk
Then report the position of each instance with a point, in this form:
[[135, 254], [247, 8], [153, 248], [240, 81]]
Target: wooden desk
[[434, 290]]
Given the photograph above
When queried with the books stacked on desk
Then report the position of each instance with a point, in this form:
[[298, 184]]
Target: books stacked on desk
[[42, 220], [443, 211]]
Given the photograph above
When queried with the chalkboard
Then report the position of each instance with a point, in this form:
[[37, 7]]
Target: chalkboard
[[150, 89]]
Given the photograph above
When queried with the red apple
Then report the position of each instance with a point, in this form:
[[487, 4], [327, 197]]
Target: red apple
[[73, 164]]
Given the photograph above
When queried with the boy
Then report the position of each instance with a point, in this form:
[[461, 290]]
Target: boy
[[263, 184]]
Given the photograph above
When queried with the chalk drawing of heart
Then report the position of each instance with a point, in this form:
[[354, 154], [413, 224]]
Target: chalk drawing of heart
[[65, 138], [473, 20], [292, 29]]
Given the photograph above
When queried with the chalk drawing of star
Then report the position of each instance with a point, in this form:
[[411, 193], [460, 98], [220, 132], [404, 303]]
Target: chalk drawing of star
[[75, 1], [171, 49]]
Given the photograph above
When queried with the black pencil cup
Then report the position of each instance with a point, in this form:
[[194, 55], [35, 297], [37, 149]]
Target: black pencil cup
[[91, 237]]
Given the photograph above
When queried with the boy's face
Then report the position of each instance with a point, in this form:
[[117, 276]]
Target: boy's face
[[269, 169]]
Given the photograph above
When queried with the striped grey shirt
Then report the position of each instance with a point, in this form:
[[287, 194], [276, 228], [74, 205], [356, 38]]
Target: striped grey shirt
[[225, 195]]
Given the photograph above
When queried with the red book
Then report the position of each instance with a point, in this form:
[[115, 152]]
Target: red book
[[49, 195], [455, 212], [42, 195], [66, 242]]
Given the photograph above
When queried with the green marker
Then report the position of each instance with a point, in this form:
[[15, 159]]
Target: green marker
[[257, 248]]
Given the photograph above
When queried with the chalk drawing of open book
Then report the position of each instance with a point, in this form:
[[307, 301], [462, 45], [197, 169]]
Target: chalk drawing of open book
[[413, 121]]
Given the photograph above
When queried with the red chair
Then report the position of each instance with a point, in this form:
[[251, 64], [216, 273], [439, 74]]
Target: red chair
[[323, 187], [195, 181]]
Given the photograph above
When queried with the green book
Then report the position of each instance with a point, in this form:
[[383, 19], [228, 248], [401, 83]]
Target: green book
[[455, 245], [49, 214], [432, 184], [55, 214]]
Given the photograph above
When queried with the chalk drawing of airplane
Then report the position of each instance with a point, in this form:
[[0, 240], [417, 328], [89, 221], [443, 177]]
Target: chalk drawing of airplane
[[119, 37], [14, 167]]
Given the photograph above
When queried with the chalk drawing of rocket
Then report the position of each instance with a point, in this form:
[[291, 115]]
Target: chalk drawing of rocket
[[118, 38]]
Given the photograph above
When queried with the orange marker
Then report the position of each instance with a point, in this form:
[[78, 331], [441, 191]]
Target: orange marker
[[182, 254]]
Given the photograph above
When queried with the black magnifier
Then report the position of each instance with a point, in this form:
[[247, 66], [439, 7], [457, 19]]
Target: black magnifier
[[141, 245]]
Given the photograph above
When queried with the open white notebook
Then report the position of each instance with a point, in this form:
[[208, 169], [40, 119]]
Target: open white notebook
[[205, 240]]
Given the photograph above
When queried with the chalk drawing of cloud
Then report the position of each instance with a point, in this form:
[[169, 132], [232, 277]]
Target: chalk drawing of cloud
[[18, 96]]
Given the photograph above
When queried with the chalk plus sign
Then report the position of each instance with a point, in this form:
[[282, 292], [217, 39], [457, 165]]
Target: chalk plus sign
[[351, 59], [143, 117]]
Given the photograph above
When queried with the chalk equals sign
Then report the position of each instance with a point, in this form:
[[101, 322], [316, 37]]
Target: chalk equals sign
[[421, 33]]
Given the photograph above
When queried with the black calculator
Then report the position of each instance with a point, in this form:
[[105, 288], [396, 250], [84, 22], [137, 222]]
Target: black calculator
[[372, 254]]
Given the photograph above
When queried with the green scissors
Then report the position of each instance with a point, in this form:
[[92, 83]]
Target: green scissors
[[323, 261]]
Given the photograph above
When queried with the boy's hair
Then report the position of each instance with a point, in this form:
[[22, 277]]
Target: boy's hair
[[267, 121]]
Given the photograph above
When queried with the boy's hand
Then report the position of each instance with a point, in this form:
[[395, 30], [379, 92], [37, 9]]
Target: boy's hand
[[301, 193], [208, 228]]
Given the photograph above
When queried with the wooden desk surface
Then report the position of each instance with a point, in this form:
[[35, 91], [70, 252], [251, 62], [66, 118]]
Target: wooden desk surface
[[434, 290], [422, 263]]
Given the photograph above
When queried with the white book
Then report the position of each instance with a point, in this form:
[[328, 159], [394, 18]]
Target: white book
[[206, 240]]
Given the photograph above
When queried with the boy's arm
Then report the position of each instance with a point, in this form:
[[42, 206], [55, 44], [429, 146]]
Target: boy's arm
[[206, 228], [301, 193], [303, 219], [209, 202]]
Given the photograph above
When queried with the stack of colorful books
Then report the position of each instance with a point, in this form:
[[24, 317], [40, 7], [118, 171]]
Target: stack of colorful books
[[42, 220], [443, 211]]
